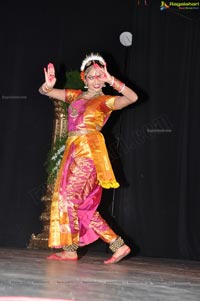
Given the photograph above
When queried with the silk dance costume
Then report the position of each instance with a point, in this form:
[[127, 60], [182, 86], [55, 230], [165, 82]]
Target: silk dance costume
[[85, 169]]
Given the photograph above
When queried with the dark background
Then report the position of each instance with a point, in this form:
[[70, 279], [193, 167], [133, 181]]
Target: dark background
[[153, 144]]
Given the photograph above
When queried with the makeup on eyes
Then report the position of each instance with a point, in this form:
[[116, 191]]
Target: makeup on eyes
[[92, 77]]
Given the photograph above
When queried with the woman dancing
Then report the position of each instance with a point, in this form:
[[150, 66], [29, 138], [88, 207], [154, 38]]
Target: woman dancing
[[85, 168]]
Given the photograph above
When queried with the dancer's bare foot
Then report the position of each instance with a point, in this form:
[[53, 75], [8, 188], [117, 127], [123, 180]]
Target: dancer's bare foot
[[119, 254], [64, 255]]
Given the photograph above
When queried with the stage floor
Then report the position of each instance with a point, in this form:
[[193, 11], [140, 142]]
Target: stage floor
[[27, 272]]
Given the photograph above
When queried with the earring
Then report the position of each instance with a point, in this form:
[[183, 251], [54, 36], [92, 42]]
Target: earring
[[85, 86], [104, 86]]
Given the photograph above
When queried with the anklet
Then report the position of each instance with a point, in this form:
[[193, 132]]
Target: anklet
[[71, 248], [118, 243]]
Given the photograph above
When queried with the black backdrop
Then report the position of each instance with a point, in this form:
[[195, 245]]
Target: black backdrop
[[153, 144]]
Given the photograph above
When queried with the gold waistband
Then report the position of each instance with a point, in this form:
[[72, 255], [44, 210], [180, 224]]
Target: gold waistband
[[81, 132]]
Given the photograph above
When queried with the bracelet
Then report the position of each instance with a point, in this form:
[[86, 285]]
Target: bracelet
[[122, 89], [46, 89], [112, 82], [118, 85]]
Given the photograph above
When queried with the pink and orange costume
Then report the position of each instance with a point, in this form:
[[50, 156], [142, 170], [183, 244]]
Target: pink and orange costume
[[84, 170]]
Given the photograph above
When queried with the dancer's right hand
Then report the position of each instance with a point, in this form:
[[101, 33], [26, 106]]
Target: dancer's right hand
[[49, 73]]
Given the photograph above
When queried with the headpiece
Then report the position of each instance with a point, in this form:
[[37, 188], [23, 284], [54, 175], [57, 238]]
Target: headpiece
[[92, 57]]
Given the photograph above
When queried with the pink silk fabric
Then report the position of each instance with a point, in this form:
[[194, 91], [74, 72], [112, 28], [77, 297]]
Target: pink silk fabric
[[84, 170]]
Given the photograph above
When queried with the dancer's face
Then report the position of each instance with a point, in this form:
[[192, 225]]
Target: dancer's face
[[93, 80]]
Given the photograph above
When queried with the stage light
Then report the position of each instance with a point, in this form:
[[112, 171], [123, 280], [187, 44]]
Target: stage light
[[126, 38]]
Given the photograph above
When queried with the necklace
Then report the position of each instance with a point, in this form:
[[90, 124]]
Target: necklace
[[89, 95], [92, 95]]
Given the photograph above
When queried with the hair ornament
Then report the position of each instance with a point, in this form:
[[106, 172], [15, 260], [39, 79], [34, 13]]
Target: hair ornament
[[92, 57], [82, 75]]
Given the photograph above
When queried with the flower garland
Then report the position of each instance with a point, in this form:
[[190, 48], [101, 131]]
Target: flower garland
[[82, 75]]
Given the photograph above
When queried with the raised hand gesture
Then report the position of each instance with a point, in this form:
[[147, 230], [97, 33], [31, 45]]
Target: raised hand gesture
[[49, 73], [103, 72]]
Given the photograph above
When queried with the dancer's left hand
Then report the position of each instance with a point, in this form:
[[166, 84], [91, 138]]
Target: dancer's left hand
[[104, 74]]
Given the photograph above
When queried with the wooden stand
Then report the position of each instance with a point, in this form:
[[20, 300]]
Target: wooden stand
[[40, 241]]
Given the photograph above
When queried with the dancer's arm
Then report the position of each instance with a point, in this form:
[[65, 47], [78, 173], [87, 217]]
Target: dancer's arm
[[48, 87], [129, 96]]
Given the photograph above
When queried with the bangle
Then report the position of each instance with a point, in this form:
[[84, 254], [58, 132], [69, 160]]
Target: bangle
[[118, 85], [46, 89], [112, 82], [122, 89]]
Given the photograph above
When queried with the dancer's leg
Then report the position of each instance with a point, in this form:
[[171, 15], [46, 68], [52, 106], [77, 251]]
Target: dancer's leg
[[78, 200], [116, 243]]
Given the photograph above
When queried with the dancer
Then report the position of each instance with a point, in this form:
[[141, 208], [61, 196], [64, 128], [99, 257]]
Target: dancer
[[85, 168]]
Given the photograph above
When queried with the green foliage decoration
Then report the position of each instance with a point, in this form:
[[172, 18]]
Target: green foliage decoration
[[73, 81], [54, 157]]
